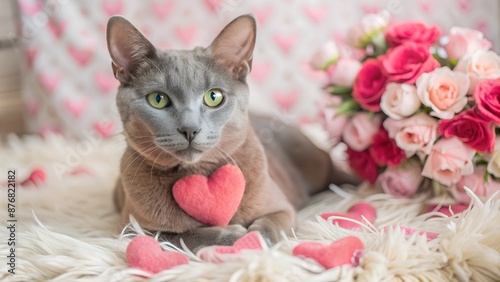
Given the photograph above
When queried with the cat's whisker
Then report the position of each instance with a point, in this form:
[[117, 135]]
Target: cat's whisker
[[152, 167], [137, 169], [146, 150], [233, 161]]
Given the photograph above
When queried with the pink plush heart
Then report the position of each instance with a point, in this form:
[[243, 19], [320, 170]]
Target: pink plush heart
[[217, 254], [212, 201], [356, 212], [338, 253], [36, 177], [411, 231], [145, 253], [50, 81]]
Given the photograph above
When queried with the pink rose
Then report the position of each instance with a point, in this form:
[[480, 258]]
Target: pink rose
[[444, 91], [412, 32], [344, 72], [359, 132], [465, 40], [334, 124], [399, 100], [475, 182], [479, 66], [402, 181], [406, 62], [385, 151], [369, 85], [327, 55], [415, 135], [470, 129], [363, 164], [487, 96], [448, 161]]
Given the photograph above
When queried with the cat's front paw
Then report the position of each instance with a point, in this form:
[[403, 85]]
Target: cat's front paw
[[229, 234]]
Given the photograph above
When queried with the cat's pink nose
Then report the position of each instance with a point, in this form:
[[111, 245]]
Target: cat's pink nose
[[189, 132]]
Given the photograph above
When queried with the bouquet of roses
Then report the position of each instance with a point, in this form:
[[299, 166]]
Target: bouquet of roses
[[415, 107]]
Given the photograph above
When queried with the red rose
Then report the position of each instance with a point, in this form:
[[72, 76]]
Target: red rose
[[471, 129], [412, 32], [369, 85], [487, 96], [363, 165], [385, 151], [406, 62]]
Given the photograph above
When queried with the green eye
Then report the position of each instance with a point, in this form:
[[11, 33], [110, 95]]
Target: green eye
[[213, 98], [158, 100]]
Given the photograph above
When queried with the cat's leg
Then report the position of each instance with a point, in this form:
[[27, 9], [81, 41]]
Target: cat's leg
[[119, 195], [207, 236], [272, 225]]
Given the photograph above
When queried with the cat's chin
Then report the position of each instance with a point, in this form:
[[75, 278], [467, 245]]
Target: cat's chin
[[188, 155]]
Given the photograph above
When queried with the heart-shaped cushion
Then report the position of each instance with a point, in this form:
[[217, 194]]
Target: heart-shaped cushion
[[214, 200], [217, 254], [145, 253], [356, 212], [338, 253], [411, 231], [455, 209]]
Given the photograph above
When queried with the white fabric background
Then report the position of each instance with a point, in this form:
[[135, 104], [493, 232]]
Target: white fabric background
[[68, 84]]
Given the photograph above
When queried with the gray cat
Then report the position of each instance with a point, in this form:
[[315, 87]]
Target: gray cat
[[185, 112]]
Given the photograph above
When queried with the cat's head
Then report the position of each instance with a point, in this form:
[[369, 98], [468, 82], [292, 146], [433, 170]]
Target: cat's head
[[188, 104]]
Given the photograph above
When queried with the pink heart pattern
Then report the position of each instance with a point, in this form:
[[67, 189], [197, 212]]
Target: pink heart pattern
[[260, 72], [104, 128], [316, 14], [186, 34], [213, 5], [30, 8], [57, 28], [262, 14], [286, 43], [286, 100], [106, 82], [76, 106], [161, 9], [50, 81], [112, 7]]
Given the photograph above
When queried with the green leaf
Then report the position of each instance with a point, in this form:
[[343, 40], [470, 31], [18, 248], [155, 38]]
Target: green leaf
[[339, 90], [348, 107]]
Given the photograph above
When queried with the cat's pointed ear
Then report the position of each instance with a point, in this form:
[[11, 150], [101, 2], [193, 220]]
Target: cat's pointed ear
[[128, 48], [233, 47]]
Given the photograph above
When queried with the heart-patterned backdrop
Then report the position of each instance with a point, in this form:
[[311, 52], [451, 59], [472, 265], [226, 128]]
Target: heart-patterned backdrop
[[69, 88]]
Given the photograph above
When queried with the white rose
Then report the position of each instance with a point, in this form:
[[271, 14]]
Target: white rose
[[494, 163], [367, 29], [327, 55], [344, 72], [444, 91], [399, 100], [478, 66]]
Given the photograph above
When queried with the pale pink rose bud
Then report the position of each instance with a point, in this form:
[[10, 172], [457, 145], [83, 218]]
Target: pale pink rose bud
[[414, 135], [462, 41], [478, 66], [399, 100], [327, 55], [332, 122], [344, 72], [448, 161], [477, 184], [402, 181], [359, 132], [369, 28], [444, 91]]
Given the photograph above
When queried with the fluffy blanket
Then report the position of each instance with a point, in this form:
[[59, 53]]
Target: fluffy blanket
[[67, 229]]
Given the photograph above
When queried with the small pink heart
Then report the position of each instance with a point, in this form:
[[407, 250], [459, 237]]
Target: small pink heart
[[76, 106], [30, 7], [81, 56], [57, 28], [186, 34], [213, 5], [161, 8], [425, 6], [104, 128], [112, 7], [286, 42], [260, 71], [262, 14], [312, 73], [316, 14], [370, 9], [145, 253], [46, 130], [105, 82], [464, 5], [214, 200], [356, 212], [218, 254], [80, 170], [338, 253], [286, 100], [32, 107], [411, 231], [50, 81]]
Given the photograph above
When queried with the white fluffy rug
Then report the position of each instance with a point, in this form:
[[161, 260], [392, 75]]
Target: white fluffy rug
[[67, 230]]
